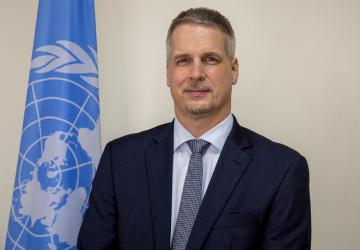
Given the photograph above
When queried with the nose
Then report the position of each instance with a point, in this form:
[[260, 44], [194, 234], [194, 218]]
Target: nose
[[197, 71]]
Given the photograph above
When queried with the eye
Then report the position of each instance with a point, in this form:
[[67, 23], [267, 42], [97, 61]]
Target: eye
[[211, 60], [182, 61]]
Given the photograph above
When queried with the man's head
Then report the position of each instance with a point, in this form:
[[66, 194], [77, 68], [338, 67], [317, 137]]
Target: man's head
[[207, 17], [201, 66]]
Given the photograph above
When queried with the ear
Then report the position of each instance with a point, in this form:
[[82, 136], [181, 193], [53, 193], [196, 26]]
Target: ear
[[235, 70], [167, 75]]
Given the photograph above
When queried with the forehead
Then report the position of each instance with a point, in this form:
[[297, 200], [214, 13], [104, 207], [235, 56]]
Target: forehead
[[197, 38]]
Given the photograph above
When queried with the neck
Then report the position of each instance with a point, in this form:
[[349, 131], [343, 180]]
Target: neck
[[198, 125]]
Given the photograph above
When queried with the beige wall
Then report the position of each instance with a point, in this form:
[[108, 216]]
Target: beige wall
[[299, 84]]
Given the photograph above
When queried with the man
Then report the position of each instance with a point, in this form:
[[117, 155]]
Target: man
[[202, 181]]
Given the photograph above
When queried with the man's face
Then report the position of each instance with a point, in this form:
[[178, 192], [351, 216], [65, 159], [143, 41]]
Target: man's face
[[200, 74]]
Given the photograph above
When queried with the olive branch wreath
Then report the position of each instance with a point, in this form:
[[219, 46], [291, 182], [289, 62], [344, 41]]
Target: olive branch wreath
[[69, 58]]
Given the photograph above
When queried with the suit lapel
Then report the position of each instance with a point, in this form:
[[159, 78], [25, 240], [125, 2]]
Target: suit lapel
[[159, 157], [230, 167]]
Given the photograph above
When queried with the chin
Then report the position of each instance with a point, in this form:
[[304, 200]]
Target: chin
[[198, 109]]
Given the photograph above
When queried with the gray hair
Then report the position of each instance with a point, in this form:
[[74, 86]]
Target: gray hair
[[208, 17]]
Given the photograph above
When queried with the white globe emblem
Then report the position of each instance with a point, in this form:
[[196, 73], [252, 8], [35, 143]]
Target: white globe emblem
[[60, 148]]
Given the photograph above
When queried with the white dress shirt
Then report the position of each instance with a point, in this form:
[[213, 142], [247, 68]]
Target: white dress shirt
[[217, 137]]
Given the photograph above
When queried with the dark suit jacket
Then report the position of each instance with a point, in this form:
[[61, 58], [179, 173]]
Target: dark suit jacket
[[258, 197]]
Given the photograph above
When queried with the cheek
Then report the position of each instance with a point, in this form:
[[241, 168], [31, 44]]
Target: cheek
[[222, 84], [178, 76], [220, 78]]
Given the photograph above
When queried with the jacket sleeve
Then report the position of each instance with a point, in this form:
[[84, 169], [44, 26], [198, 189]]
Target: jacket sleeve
[[98, 229], [289, 223]]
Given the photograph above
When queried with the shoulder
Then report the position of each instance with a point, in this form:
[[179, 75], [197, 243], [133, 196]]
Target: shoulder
[[140, 139], [268, 152], [266, 145], [274, 162]]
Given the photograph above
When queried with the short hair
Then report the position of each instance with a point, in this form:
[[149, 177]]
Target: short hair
[[208, 17]]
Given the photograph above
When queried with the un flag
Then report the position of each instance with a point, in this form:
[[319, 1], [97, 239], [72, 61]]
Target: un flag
[[60, 142]]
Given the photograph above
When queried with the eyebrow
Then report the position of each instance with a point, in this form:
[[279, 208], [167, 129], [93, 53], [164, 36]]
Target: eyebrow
[[204, 55], [212, 54], [181, 56]]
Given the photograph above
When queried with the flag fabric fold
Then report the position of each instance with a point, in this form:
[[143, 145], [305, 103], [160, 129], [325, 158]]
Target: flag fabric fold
[[60, 141]]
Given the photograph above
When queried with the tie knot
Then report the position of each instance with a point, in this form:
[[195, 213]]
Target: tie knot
[[198, 146]]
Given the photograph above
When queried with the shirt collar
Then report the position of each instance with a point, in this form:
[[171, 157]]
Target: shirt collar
[[216, 136]]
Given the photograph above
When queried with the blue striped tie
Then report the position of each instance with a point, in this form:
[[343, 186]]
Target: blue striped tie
[[191, 195]]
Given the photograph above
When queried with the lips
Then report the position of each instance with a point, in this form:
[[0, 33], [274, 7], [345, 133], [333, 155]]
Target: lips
[[197, 92]]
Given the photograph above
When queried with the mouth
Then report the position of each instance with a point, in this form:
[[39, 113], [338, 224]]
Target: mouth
[[196, 93]]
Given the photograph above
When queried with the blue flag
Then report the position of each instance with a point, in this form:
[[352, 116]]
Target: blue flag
[[60, 142]]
